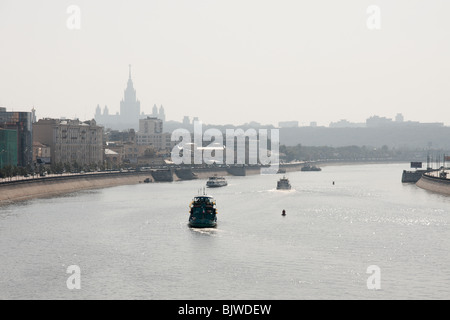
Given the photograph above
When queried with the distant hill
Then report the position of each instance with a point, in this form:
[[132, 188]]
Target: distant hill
[[394, 136], [420, 136]]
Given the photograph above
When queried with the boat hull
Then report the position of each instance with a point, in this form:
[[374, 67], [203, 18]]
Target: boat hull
[[306, 169], [412, 176], [202, 223], [216, 185]]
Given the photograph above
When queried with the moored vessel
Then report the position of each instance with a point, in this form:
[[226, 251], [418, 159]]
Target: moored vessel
[[147, 180], [162, 175], [414, 176], [310, 167], [237, 170], [186, 174]]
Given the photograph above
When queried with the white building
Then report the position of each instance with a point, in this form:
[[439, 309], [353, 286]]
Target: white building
[[151, 134]]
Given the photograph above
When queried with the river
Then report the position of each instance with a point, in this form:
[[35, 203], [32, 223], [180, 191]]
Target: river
[[133, 242]]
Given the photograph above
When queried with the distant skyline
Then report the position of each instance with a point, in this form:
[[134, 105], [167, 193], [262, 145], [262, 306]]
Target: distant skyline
[[229, 62]]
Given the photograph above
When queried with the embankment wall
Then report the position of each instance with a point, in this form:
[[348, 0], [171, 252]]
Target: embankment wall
[[56, 185], [51, 186], [434, 184]]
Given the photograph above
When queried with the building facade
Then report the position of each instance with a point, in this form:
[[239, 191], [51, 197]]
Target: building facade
[[21, 122], [8, 148], [151, 134], [71, 141], [41, 153]]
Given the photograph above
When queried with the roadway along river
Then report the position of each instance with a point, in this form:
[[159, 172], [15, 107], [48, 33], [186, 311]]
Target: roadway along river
[[133, 242]]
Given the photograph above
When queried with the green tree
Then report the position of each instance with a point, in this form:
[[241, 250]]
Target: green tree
[[67, 167]]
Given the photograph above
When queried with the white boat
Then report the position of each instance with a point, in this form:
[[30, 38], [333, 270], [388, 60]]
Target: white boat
[[215, 182]]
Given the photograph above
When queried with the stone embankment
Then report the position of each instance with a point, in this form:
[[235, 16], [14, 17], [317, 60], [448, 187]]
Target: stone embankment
[[18, 190], [434, 184], [52, 186]]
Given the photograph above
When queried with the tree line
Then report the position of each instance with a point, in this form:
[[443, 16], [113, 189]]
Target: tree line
[[10, 171], [351, 153]]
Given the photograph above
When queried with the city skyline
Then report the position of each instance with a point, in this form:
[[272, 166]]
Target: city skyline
[[229, 62], [130, 115]]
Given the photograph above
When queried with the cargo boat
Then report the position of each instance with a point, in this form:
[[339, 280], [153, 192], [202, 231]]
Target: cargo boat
[[203, 212]]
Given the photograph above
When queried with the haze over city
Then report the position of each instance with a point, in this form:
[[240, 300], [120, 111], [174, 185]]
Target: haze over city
[[229, 61], [222, 158]]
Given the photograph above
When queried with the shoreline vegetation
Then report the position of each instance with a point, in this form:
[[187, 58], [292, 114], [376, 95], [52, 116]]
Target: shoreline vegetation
[[20, 189]]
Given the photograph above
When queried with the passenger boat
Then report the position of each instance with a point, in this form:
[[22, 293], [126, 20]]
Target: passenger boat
[[283, 184], [215, 182], [203, 212]]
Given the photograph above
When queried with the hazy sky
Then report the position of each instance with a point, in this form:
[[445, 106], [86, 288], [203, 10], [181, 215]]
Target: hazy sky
[[229, 61]]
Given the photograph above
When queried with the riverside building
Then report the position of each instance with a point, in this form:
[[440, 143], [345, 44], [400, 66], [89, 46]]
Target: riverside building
[[151, 134], [71, 141], [21, 122], [8, 148]]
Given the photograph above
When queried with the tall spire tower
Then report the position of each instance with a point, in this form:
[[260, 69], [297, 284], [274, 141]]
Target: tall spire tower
[[130, 107]]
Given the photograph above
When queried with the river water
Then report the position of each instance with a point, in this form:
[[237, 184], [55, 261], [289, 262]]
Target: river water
[[133, 242]]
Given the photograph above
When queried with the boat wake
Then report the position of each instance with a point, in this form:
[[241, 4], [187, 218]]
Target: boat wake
[[206, 231], [281, 191]]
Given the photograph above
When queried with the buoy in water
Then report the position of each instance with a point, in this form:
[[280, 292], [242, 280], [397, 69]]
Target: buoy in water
[[283, 213]]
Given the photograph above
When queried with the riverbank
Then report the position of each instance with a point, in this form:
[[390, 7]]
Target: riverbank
[[29, 188], [52, 186], [327, 163]]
